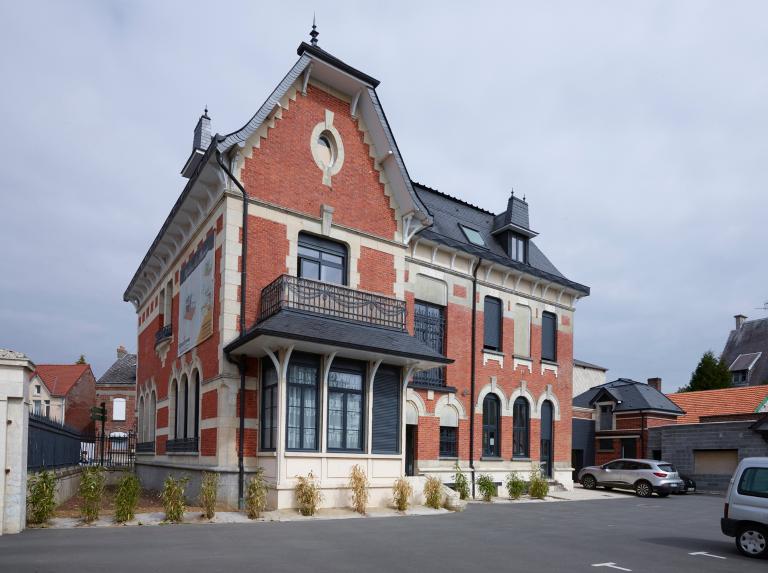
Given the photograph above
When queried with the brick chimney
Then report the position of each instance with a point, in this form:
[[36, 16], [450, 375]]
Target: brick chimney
[[740, 318], [655, 383], [121, 352]]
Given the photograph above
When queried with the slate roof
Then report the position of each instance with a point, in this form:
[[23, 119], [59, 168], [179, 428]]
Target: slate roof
[[629, 395], [726, 401], [752, 337], [583, 364], [122, 372], [744, 361], [299, 325], [59, 378], [449, 212]]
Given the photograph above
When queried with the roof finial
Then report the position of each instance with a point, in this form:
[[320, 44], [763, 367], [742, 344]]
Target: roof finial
[[205, 114], [314, 33]]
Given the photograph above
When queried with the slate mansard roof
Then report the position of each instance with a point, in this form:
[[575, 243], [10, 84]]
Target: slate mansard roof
[[122, 372], [742, 349], [449, 213], [629, 395]]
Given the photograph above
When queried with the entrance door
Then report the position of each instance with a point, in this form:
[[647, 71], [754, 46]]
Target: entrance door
[[410, 449], [628, 448], [577, 462], [546, 438]]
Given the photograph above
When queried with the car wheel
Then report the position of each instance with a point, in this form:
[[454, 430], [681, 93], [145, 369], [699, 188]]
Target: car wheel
[[643, 489], [589, 482], [752, 541]]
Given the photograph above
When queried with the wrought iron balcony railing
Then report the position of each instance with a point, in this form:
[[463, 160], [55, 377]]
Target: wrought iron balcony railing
[[434, 377], [182, 445], [289, 292], [145, 447], [163, 334]]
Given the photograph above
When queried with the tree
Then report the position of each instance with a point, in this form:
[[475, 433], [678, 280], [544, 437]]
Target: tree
[[81, 360], [710, 374]]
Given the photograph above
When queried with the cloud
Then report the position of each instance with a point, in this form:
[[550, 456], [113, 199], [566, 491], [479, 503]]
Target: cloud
[[638, 132]]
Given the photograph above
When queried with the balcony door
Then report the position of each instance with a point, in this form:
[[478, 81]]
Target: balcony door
[[322, 260]]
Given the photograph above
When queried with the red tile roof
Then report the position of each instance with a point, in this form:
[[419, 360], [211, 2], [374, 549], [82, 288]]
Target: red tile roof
[[59, 378], [727, 401]]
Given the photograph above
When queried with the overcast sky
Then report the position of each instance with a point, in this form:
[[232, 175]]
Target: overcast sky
[[637, 130]]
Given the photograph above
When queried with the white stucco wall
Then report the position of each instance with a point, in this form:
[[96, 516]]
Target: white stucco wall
[[15, 370], [586, 378]]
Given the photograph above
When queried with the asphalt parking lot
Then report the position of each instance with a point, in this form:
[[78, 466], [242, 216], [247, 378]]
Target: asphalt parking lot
[[679, 533]]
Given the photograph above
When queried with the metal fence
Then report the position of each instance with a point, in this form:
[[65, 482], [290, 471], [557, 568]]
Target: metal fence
[[52, 444]]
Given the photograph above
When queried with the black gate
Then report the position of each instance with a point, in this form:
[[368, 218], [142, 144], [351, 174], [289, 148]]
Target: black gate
[[52, 444]]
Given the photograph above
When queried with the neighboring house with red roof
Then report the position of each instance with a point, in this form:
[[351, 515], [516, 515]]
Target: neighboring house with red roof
[[718, 429], [718, 405], [73, 388]]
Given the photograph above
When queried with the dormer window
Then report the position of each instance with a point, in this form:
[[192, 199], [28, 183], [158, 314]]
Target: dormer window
[[518, 248], [473, 236], [740, 377]]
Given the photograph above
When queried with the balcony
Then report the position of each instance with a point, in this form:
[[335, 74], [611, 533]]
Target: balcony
[[331, 300], [182, 446], [163, 334]]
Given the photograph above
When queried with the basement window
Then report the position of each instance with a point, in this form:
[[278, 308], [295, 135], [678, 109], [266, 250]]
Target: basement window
[[473, 236]]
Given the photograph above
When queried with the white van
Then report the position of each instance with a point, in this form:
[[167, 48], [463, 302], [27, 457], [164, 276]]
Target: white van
[[745, 515]]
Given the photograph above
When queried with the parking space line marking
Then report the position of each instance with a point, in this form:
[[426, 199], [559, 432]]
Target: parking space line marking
[[611, 565], [707, 554]]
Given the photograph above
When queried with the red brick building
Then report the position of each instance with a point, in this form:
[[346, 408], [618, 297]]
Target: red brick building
[[306, 307], [73, 386], [116, 389]]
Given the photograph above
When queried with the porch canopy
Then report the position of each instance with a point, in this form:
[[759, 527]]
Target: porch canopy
[[317, 334]]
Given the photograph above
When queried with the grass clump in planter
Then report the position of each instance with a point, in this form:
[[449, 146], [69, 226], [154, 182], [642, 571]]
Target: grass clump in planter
[[91, 490], [401, 493], [433, 492], [208, 489], [515, 485], [460, 483], [127, 498], [308, 494], [41, 497], [539, 487], [358, 483], [174, 502], [486, 486], [256, 495]]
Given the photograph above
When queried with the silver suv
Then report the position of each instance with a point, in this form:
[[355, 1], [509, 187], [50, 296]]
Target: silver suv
[[643, 476]]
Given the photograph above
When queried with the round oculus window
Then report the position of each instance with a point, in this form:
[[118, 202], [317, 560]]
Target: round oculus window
[[326, 149]]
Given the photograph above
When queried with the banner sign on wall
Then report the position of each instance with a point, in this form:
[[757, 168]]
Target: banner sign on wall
[[196, 298]]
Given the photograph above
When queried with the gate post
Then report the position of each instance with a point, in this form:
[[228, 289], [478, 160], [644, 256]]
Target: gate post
[[15, 371]]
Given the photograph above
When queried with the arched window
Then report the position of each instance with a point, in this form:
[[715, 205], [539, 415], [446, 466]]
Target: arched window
[[151, 417], [183, 408], [449, 422], [547, 437], [186, 405], [521, 424], [491, 426], [193, 406], [173, 400], [141, 420], [322, 260]]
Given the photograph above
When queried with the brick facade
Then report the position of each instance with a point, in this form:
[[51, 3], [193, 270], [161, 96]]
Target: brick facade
[[358, 208]]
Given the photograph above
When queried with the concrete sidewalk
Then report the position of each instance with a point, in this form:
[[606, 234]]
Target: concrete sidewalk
[[195, 517]]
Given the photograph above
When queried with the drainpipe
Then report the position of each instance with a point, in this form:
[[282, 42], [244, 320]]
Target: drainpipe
[[240, 363], [472, 353]]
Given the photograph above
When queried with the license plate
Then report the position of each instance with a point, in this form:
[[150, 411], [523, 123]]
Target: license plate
[[691, 489]]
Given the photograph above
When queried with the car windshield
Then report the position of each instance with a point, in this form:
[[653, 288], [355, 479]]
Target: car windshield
[[667, 468]]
